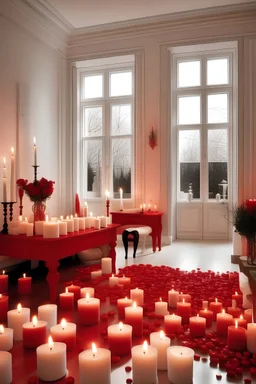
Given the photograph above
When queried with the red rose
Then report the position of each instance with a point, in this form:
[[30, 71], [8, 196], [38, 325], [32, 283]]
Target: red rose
[[21, 183]]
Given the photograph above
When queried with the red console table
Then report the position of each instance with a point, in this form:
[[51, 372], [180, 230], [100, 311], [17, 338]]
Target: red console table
[[53, 250], [152, 219]]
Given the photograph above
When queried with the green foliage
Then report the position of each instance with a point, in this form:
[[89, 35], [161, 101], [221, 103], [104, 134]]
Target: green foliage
[[245, 221]]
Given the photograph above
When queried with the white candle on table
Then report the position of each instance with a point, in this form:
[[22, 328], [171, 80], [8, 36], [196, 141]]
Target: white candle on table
[[23, 225], [251, 337], [113, 280], [180, 365], [81, 223], [161, 343], [144, 364], [95, 366], [12, 185], [70, 224], [103, 221], [106, 265], [51, 361], [15, 319], [6, 367], [161, 307], [6, 338], [85, 209], [39, 228], [35, 154], [30, 229], [92, 220], [50, 229], [121, 199], [63, 228], [4, 182], [95, 274], [173, 298], [48, 312], [137, 295], [65, 333], [87, 292], [76, 223], [97, 223]]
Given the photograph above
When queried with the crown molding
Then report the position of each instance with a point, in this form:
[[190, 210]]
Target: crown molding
[[37, 24], [154, 25]]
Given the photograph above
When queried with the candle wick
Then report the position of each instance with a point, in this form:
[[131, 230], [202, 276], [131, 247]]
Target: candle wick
[[93, 355], [34, 325], [51, 349]]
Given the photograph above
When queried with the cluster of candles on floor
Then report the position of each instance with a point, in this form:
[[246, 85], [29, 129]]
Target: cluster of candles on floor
[[95, 363]]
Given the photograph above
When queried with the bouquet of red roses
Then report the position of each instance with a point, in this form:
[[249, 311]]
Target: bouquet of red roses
[[38, 191]]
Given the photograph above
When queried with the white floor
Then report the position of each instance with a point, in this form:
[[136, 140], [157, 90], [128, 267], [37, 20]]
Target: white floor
[[186, 255]]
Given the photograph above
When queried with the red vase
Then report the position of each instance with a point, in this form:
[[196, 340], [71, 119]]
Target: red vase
[[39, 208]]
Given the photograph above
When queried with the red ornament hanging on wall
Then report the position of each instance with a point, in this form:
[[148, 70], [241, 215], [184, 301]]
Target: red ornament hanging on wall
[[152, 138]]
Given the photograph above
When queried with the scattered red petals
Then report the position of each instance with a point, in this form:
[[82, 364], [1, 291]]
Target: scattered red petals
[[197, 357], [219, 377], [32, 380], [128, 368], [115, 359], [70, 380], [128, 381], [247, 381]]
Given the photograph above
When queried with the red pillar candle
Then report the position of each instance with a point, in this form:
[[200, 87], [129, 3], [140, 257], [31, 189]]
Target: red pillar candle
[[173, 297], [215, 307], [66, 300], [64, 333], [236, 338], [248, 315], [122, 304], [34, 333], [3, 283], [4, 302], [126, 281], [120, 339], [24, 285], [184, 310], [134, 317], [234, 310], [197, 326], [208, 315], [223, 321], [76, 290], [241, 322], [185, 296], [172, 323], [88, 311], [238, 297]]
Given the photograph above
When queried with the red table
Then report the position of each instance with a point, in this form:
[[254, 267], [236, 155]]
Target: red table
[[53, 250], [152, 219]]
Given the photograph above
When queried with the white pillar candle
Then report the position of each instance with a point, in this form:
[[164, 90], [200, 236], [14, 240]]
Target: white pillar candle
[[65, 333], [70, 224], [81, 223], [95, 366], [85, 209], [6, 367], [87, 292], [144, 364], [63, 228], [48, 313], [4, 182], [121, 199], [180, 365], [12, 185], [95, 274], [6, 338], [15, 320], [161, 343], [106, 265], [39, 228], [23, 226], [103, 221], [51, 361], [76, 224], [97, 223], [113, 280], [35, 154], [137, 295], [50, 229], [87, 221], [161, 308], [251, 337], [30, 229], [92, 220], [173, 298], [125, 280]]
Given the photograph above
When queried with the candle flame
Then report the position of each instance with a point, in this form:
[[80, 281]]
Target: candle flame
[[3, 272], [90, 214], [223, 311], [107, 194], [121, 326], [216, 300], [145, 347], [4, 161], [236, 293], [34, 140], [50, 342], [85, 203], [126, 298], [183, 300], [66, 290], [61, 217], [12, 150], [26, 219], [67, 217], [46, 218], [20, 218], [134, 305], [160, 298], [94, 349], [24, 275], [113, 275], [1, 329], [75, 214], [71, 216], [34, 321], [162, 335], [236, 323], [205, 309], [87, 296], [19, 307], [241, 317], [120, 190], [63, 323], [1, 295]]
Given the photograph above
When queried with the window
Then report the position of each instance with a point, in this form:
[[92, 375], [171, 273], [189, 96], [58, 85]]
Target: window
[[202, 94], [106, 130]]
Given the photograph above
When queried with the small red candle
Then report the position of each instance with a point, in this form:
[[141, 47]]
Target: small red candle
[[248, 315], [66, 300], [234, 310], [172, 323], [24, 285], [241, 322], [238, 297], [236, 338], [122, 304], [134, 317], [88, 310], [197, 326], [184, 296], [3, 283], [215, 307], [64, 333], [223, 321], [76, 290], [208, 315], [120, 339], [34, 333], [4, 301], [184, 310]]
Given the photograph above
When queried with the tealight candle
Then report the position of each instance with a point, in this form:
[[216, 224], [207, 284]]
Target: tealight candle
[[144, 364], [48, 313], [76, 224], [70, 224], [15, 320], [208, 315], [95, 366], [76, 289], [121, 305], [223, 321], [88, 311], [106, 265], [134, 317], [120, 339], [63, 228], [184, 310], [4, 303], [87, 292], [6, 367], [197, 326], [236, 338], [137, 295], [34, 333], [180, 365], [50, 229], [24, 285], [23, 226], [66, 299], [51, 361], [103, 221], [173, 297], [126, 281], [3, 282], [215, 307], [6, 338], [81, 223], [161, 307], [97, 223], [251, 337], [65, 333], [161, 343], [113, 280], [172, 323]]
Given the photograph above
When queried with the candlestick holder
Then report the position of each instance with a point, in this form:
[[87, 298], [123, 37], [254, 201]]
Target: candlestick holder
[[5, 214], [35, 172], [107, 206], [21, 207]]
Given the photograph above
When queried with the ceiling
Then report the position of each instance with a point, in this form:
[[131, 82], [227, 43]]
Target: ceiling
[[92, 13]]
